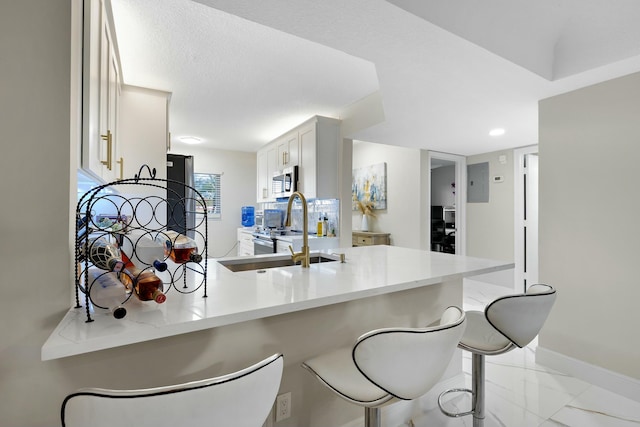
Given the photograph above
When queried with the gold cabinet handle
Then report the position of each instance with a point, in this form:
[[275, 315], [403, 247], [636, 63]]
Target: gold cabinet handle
[[121, 163], [109, 138]]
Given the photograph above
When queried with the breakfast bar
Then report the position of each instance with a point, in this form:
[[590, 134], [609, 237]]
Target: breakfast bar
[[272, 308], [235, 297]]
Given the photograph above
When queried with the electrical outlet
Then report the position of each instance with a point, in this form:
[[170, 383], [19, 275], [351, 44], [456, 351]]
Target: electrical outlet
[[283, 406]]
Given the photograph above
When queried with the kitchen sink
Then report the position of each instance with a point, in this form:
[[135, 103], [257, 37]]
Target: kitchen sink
[[250, 264]]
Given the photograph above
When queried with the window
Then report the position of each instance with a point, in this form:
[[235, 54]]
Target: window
[[208, 184]]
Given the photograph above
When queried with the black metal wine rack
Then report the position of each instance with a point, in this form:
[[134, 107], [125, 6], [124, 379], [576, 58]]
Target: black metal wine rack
[[145, 214]]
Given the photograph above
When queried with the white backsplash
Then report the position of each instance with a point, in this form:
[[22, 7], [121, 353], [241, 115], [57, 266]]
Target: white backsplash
[[316, 208]]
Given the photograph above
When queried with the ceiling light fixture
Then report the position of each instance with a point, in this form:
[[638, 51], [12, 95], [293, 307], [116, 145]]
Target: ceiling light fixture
[[497, 132], [190, 140]]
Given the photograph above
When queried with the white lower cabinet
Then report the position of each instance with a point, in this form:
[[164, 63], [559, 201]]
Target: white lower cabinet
[[245, 242], [282, 246]]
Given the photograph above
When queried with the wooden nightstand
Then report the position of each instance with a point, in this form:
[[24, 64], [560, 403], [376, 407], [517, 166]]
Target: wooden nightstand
[[368, 238]]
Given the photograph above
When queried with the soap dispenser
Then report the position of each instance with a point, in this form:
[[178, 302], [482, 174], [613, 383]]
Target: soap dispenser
[[325, 225]]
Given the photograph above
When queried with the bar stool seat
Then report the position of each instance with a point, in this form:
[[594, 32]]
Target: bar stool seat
[[390, 364], [506, 323], [241, 399], [480, 335], [345, 379]]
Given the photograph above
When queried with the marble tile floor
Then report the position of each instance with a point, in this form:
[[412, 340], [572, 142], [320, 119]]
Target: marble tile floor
[[521, 393]]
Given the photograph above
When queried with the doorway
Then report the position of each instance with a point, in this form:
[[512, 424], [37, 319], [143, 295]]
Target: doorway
[[526, 220], [447, 196]]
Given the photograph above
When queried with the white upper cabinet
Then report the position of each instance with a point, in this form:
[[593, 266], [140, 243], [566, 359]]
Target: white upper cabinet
[[143, 130], [318, 167], [123, 126], [266, 164], [288, 150], [101, 93], [313, 147]]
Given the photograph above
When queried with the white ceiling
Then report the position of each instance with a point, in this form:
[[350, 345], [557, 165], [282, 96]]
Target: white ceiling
[[242, 72]]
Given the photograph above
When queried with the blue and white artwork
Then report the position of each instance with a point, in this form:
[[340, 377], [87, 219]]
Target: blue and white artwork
[[370, 185]]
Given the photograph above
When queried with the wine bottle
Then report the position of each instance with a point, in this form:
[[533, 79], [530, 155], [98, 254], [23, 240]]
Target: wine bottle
[[104, 255], [144, 283], [144, 251], [180, 248], [106, 291]]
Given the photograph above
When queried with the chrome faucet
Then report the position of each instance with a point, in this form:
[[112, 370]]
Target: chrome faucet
[[304, 255]]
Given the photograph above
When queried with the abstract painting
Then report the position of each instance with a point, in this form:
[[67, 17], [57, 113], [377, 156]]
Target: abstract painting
[[370, 185]]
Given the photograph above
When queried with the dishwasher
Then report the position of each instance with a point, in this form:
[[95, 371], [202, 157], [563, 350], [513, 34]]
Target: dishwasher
[[263, 245]]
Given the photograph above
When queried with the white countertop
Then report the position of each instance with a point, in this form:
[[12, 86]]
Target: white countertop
[[242, 296]]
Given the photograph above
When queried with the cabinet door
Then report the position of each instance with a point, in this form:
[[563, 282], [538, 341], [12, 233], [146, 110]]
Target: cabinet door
[[282, 246], [308, 168], [261, 173], [109, 91], [282, 153], [142, 131], [294, 149], [272, 167], [266, 165], [100, 87], [113, 116], [287, 150]]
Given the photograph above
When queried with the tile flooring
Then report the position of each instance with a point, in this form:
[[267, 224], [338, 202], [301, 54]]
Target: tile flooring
[[521, 393]]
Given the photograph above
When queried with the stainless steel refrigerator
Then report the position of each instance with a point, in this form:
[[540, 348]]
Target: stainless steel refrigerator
[[181, 215]]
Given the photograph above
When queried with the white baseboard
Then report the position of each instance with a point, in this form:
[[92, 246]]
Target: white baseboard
[[601, 377], [401, 412]]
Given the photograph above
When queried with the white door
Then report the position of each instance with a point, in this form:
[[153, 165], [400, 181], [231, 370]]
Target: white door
[[460, 197], [526, 218], [531, 220]]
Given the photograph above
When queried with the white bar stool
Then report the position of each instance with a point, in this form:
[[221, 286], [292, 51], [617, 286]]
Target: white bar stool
[[508, 322], [241, 399], [389, 364]]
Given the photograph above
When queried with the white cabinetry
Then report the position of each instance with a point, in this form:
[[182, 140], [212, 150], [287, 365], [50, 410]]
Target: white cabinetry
[[282, 246], [143, 131], [288, 150], [245, 242], [319, 149], [313, 146], [267, 164], [101, 93]]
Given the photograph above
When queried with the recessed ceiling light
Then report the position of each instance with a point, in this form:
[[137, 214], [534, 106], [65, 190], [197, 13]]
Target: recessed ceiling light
[[496, 132], [190, 140]]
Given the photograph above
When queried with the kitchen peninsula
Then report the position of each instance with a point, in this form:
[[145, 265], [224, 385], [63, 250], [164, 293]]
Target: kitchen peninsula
[[249, 315], [244, 296]]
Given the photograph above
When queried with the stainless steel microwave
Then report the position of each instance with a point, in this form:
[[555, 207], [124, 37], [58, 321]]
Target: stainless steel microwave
[[285, 182]]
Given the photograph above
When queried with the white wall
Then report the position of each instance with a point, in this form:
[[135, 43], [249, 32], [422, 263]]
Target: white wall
[[402, 218], [238, 188], [490, 225], [35, 271], [589, 229]]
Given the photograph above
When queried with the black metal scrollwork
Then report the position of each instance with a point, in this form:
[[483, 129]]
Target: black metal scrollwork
[[104, 212]]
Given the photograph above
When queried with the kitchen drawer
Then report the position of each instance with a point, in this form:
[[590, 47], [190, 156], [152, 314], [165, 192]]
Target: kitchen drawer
[[366, 238], [362, 241]]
